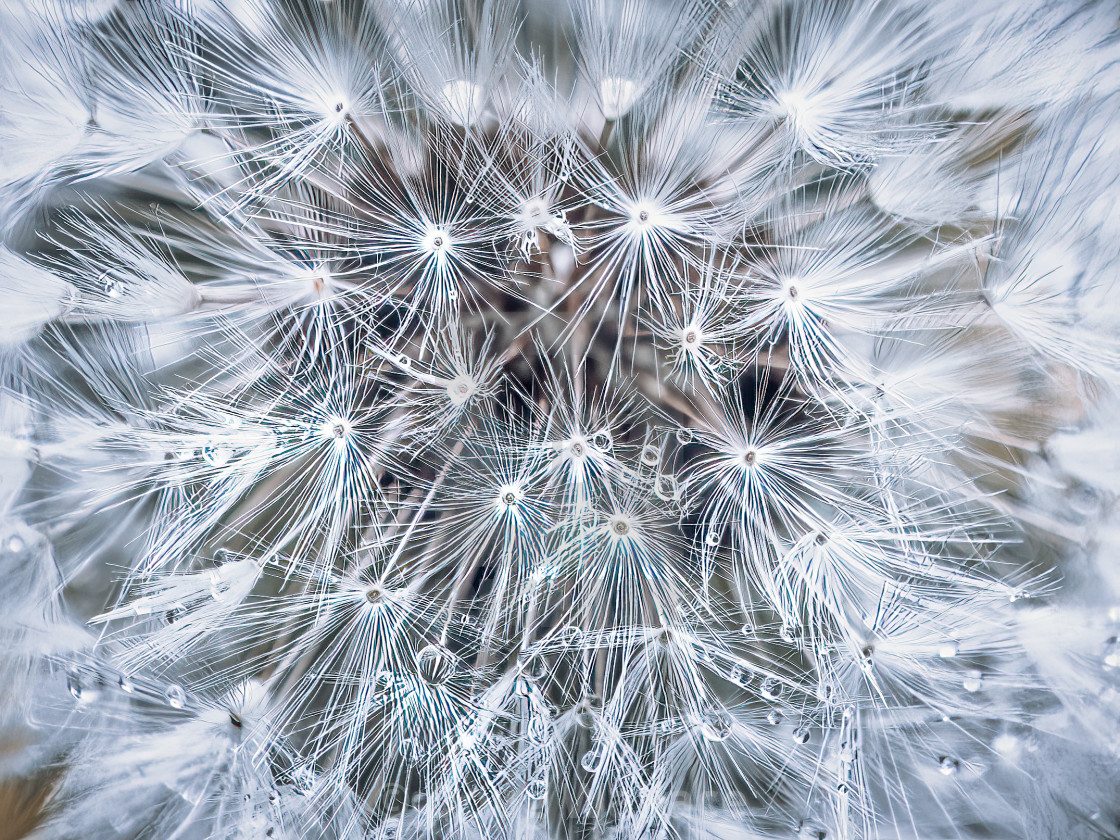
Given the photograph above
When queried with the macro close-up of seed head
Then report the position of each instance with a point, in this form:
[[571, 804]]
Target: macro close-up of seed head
[[575, 420]]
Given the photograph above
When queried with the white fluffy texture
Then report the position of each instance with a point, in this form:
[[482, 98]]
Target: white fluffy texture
[[614, 419]]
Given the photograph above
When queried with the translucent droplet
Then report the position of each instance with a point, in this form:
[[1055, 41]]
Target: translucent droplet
[[685, 436], [973, 681], [801, 735], [774, 717], [712, 538], [15, 544], [665, 487], [948, 765], [217, 454], [113, 287], [1111, 656], [770, 688], [126, 685], [650, 456], [807, 830], [739, 675], [538, 786], [602, 440], [570, 636], [592, 759], [175, 696], [74, 684], [303, 780], [539, 729], [716, 725], [948, 650], [435, 664], [584, 716]]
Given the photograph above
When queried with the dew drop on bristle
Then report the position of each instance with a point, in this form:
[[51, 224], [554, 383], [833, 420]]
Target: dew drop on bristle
[[435, 664]]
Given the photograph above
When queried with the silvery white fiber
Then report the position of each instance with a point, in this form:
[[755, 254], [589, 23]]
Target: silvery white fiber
[[622, 419]]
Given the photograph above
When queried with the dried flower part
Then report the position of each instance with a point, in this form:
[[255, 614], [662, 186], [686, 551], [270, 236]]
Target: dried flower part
[[615, 419]]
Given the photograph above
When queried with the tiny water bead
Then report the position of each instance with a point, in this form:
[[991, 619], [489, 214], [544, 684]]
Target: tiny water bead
[[650, 456], [948, 766], [973, 681], [14, 544], [774, 717], [585, 714], [539, 729], [602, 440], [592, 760], [174, 696], [770, 688], [74, 684], [665, 487], [112, 286], [739, 675], [801, 735], [217, 454], [435, 664], [684, 435], [716, 725], [538, 786]]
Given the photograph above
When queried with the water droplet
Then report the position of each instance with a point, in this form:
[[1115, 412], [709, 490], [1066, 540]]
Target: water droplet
[[303, 780], [665, 487], [770, 688], [948, 765], [217, 454], [74, 684], [685, 436], [973, 681], [435, 664], [585, 716], [602, 440], [15, 544], [175, 696], [650, 456], [113, 287], [739, 675], [712, 539], [716, 725], [539, 729], [948, 650], [801, 735], [538, 785], [592, 759], [570, 636], [126, 684], [774, 717]]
